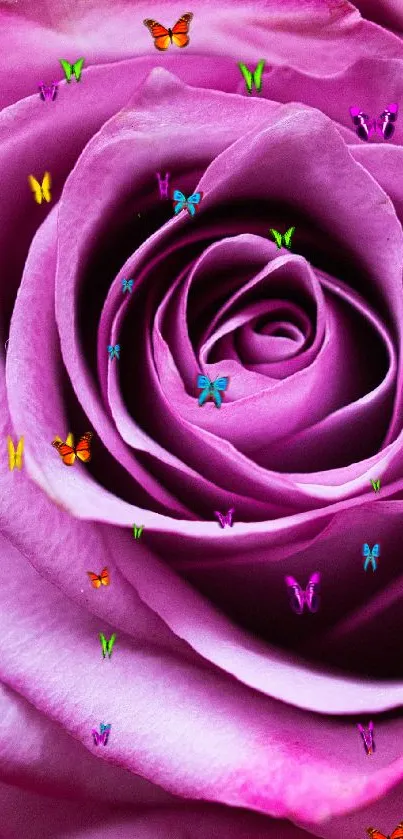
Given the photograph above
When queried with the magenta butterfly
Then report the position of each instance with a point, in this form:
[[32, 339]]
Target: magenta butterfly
[[47, 92], [298, 597], [103, 736], [367, 737], [383, 125], [223, 520]]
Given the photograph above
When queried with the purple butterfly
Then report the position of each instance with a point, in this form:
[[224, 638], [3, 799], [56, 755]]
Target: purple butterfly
[[46, 92], [384, 125], [298, 597], [223, 520], [367, 737], [103, 736]]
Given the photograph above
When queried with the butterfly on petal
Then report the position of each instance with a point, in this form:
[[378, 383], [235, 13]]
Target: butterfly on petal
[[376, 484], [107, 646], [253, 77], [98, 580], [41, 191], [177, 35], [374, 833], [384, 125], [103, 737], [283, 239], [137, 531], [68, 451], [48, 93], [114, 351], [223, 520], [71, 70], [183, 203], [371, 556], [300, 598], [367, 737], [127, 285], [211, 390], [15, 454]]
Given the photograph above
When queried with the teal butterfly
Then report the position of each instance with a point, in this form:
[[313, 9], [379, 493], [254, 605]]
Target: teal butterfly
[[283, 239], [212, 389], [137, 531], [189, 204], [255, 77], [107, 646], [72, 69], [371, 556]]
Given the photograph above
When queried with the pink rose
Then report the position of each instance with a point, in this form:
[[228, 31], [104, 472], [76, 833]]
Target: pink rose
[[231, 716]]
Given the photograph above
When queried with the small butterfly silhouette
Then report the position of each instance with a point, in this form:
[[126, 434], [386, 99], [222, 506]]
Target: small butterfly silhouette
[[255, 77], [374, 833], [177, 35], [383, 125], [41, 191], [211, 390], [371, 556], [283, 239], [137, 531], [48, 93], [376, 485], [103, 737], [71, 70], [97, 580], [68, 451], [298, 597], [367, 737], [107, 646], [114, 351], [127, 285], [223, 520], [190, 204], [15, 455]]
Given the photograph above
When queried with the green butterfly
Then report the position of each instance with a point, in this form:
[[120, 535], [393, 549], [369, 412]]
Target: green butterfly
[[137, 531], [283, 239], [376, 485], [255, 77], [107, 646], [72, 69]]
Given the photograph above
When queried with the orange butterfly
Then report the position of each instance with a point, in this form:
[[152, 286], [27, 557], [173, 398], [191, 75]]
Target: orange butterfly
[[177, 35], [68, 451], [102, 579], [376, 834]]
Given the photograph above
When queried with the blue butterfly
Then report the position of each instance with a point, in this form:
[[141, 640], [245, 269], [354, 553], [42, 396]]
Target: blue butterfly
[[371, 556], [186, 203], [127, 285], [114, 351], [212, 389]]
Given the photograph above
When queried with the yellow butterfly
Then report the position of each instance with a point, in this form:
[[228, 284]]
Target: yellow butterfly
[[41, 190], [15, 455]]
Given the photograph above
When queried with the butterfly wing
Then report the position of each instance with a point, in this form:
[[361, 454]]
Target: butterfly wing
[[247, 75], [36, 188], [376, 834], [398, 832], [366, 549], [257, 76], [312, 592], [66, 451], [67, 67], [221, 383], [42, 89], [296, 595], [83, 447], [288, 235], [95, 579], [276, 236], [181, 29], [364, 125], [19, 453], [220, 517], [11, 454], [77, 68], [159, 33], [376, 550], [387, 119], [193, 201], [104, 577], [229, 516], [98, 738], [46, 184], [54, 91], [181, 199]]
